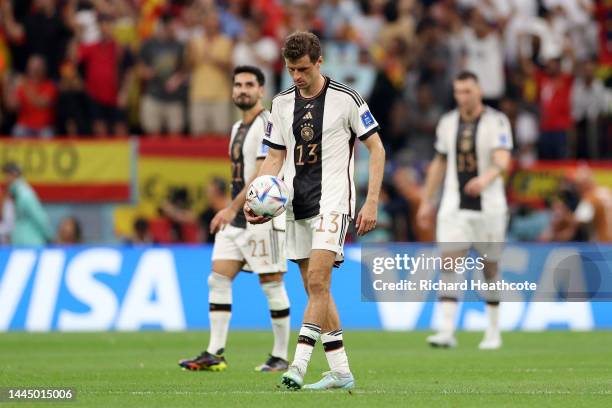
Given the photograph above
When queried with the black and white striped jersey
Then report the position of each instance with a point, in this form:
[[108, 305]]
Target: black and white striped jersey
[[319, 135], [469, 147], [244, 149]]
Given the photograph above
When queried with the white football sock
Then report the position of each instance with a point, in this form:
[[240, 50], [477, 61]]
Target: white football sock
[[335, 352], [449, 311], [309, 334], [278, 301], [493, 315], [220, 310]]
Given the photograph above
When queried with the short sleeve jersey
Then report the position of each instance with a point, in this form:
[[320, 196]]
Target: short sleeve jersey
[[319, 135]]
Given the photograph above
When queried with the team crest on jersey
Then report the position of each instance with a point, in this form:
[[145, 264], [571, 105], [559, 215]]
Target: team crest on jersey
[[367, 119], [307, 132], [467, 141], [268, 131]]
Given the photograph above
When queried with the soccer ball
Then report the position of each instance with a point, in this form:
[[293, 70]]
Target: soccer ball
[[267, 196]]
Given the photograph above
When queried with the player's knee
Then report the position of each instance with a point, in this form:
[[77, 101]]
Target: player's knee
[[276, 294], [270, 277], [219, 288], [317, 287]]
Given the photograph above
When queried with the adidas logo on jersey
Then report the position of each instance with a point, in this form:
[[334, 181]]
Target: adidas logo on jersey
[[307, 116]]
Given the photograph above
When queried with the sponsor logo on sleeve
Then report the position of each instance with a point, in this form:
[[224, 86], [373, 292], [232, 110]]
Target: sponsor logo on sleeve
[[367, 119], [504, 140], [268, 130]]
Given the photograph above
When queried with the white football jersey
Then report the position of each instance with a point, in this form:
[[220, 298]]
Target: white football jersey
[[244, 149], [469, 148], [319, 135]]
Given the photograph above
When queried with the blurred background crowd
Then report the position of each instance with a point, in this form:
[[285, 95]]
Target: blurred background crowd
[[161, 68]]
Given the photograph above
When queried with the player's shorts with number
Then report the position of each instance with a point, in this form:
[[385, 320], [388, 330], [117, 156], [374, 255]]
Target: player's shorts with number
[[261, 247], [463, 229], [323, 231]]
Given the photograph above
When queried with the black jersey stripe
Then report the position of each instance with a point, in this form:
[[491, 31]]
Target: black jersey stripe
[[285, 92], [348, 93], [348, 88], [354, 93], [348, 171], [273, 145]]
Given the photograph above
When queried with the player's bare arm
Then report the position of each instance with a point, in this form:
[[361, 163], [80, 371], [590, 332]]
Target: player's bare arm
[[227, 215], [433, 181], [271, 165], [501, 164], [366, 219]]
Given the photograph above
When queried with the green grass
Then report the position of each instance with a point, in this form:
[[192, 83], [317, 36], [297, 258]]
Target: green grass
[[552, 369]]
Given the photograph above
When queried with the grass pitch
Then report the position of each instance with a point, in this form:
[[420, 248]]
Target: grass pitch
[[552, 369]]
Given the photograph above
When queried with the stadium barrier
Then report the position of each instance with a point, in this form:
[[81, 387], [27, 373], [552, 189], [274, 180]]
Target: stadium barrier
[[98, 288]]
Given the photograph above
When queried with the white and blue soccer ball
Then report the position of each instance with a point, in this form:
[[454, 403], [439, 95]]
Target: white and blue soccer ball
[[267, 196]]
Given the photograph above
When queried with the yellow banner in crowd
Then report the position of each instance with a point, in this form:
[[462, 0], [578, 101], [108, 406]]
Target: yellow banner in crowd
[[73, 170], [166, 167]]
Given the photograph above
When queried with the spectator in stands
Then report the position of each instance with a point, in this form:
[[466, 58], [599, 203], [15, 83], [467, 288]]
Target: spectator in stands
[[422, 122], [210, 59], [434, 61], [34, 98], [42, 32], [254, 49], [564, 225], [216, 199], [69, 231], [161, 67], [483, 55], [32, 225], [7, 216], [595, 208], [588, 106], [72, 104], [108, 68], [524, 129], [142, 233], [554, 93]]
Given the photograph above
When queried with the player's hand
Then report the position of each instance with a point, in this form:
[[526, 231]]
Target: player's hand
[[252, 218], [425, 215], [173, 83], [366, 219], [221, 219], [475, 186]]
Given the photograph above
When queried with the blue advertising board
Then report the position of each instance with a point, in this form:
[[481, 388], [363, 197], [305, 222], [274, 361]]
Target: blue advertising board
[[98, 288]]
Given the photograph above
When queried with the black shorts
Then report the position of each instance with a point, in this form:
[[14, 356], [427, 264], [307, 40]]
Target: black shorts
[[106, 113]]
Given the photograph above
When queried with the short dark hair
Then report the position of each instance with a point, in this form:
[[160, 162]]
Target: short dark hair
[[220, 184], [465, 75], [249, 69], [302, 43], [11, 168]]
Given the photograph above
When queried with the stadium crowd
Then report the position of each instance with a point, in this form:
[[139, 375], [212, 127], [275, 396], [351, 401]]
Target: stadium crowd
[[152, 67]]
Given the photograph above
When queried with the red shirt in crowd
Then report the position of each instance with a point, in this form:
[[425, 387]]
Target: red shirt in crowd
[[101, 60], [555, 101], [30, 114], [604, 20]]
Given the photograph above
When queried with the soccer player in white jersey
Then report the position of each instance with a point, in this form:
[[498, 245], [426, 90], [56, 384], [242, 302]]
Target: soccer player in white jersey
[[473, 151], [241, 246], [312, 131]]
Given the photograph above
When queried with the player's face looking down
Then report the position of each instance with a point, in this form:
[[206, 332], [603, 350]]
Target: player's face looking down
[[246, 91], [468, 96], [303, 71]]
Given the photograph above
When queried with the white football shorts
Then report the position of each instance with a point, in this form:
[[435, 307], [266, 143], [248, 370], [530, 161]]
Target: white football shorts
[[323, 231], [464, 229], [261, 247]]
